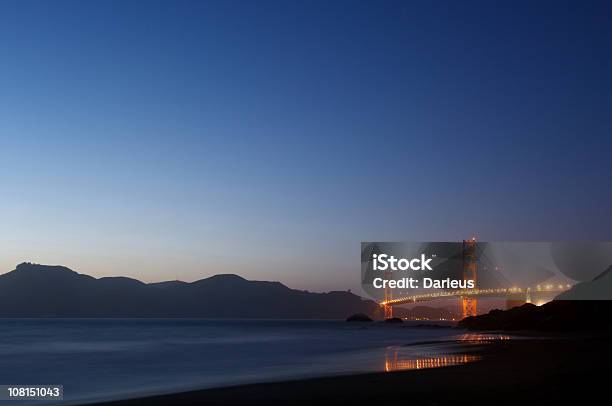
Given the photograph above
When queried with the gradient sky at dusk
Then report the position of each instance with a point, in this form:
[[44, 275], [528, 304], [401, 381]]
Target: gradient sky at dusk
[[164, 140]]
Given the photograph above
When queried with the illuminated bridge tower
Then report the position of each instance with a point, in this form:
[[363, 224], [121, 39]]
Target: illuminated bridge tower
[[388, 296], [470, 267]]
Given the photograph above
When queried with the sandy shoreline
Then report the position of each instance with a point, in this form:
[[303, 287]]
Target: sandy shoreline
[[542, 371]]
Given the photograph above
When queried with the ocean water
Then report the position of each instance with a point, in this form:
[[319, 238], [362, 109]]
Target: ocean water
[[100, 359]]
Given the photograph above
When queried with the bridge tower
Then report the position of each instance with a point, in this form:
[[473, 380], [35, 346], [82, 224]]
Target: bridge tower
[[470, 268], [388, 311], [388, 296]]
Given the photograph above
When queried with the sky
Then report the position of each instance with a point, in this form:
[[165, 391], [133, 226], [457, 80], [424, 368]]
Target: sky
[[182, 139]]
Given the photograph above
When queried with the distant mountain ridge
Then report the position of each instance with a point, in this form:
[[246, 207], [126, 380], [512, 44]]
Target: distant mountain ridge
[[33, 290]]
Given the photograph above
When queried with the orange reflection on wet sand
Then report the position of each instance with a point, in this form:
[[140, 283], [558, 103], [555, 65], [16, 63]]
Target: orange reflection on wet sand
[[482, 338], [394, 362]]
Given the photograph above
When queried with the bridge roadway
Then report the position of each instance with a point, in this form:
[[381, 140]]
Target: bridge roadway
[[514, 292]]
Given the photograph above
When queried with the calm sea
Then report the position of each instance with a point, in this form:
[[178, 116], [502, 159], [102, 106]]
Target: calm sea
[[97, 359]]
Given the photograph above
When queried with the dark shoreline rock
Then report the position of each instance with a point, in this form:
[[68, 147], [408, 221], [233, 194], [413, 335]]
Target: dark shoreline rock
[[359, 317]]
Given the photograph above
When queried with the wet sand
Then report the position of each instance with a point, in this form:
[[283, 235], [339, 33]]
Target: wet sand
[[526, 371]]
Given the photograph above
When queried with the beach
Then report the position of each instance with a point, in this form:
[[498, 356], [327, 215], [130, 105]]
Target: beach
[[543, 370], [194, 361]]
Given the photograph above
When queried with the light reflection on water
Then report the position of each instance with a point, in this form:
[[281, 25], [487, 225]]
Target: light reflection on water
[[394, 362], [481, 338], [403, 359]]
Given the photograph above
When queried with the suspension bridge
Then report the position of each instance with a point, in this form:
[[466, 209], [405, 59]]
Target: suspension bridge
[[469, 297]]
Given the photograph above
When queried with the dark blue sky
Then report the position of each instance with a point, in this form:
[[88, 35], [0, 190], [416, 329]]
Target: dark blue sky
[[166, 140]]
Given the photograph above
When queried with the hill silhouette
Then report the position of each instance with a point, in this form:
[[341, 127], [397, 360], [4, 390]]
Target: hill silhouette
[[33, 290], [599, 288], [558, 315]]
